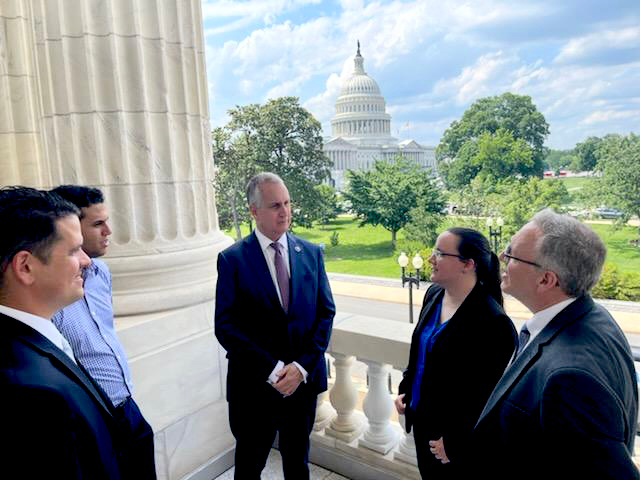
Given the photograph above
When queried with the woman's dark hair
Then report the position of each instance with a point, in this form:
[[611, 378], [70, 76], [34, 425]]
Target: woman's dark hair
[[475, 246]]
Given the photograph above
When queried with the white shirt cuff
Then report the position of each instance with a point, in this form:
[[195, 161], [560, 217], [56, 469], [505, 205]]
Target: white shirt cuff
[[273, 378], [302, 371]]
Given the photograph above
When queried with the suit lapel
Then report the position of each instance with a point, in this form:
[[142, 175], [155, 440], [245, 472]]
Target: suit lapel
[[425, 312], [533, 351], [296, 258], [40, 343]]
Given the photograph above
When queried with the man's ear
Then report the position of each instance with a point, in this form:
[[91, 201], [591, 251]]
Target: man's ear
[[23, 267], [253, 210], [549, 281]]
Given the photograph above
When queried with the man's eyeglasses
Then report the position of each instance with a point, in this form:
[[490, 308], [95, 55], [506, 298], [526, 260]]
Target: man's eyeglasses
[[439, 254], [507, 254]]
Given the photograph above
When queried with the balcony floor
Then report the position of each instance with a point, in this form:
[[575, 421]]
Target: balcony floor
[[273, 470]]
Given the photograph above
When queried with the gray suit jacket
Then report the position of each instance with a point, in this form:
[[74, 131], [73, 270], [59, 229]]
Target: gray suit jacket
[[567, 407]]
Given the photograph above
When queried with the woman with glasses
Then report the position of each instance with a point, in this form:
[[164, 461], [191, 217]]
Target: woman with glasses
[[460, 347]]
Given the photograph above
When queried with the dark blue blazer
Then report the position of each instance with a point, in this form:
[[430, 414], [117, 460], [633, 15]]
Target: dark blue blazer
[[567, 407], [252, 326], [55, 420]]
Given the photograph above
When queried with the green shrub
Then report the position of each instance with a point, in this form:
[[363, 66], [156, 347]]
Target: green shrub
[[617, 286]]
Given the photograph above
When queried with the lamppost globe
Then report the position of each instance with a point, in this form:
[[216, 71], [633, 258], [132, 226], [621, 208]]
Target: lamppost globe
[[417, 262], [500, 222], [403, 260], [489, 221]]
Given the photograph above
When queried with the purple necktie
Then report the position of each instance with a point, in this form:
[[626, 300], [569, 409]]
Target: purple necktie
[[282, 276]]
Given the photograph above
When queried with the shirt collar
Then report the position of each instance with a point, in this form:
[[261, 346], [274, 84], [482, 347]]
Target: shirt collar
[[90, 270], [265, 241], [542, 318], [40, 324]]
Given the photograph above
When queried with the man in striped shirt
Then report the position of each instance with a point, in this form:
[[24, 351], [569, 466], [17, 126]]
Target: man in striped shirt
[[88, 326]]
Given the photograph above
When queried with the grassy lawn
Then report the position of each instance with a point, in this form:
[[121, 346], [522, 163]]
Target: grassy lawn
[[574, 184], [619, 251], [367, 250], [360, 250]]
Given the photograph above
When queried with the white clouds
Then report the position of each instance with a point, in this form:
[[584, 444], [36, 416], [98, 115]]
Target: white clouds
[[486, 76], [599, 43], [605, 116], [431, 58], [247, 11]]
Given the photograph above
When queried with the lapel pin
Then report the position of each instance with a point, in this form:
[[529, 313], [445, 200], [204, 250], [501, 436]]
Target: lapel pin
[[297, 249]]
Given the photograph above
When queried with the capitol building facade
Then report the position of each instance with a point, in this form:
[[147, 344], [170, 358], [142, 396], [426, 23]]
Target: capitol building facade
[[361, 130]]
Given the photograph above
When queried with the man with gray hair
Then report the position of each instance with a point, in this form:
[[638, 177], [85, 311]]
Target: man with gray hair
[[567, 405], [274, 313]]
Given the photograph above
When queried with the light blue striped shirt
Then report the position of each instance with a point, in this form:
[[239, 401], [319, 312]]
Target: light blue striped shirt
[[88, 326]]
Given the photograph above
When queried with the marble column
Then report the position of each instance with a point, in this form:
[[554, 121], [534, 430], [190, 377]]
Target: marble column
[[113, 94]]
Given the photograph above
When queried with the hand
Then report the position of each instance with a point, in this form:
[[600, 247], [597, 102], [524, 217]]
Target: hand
[[289, 379], [399, 403], [437, 448]]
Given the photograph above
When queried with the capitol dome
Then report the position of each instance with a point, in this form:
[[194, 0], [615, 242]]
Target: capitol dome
[[359, 82], [361, 130], [360, 108]]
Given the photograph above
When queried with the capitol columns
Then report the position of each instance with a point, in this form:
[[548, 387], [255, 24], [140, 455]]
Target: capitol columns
[[113, 94]]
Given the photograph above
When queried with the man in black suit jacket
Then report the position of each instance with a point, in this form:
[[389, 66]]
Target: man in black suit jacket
[[274, 312], [56, 421], [567, 406]]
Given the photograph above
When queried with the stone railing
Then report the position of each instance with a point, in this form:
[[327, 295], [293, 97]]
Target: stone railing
[[364, 444]]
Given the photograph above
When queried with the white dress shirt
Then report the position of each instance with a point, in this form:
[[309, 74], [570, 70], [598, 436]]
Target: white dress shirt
[[270, 255], [41, 325]]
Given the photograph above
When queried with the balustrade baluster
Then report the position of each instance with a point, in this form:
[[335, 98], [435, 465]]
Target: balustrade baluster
[[380, 436], [346, 426], [406, 451], [324, 413]]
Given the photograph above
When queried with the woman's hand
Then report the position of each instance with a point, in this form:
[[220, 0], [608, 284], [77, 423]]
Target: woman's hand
[[399, 402], [437, 448]]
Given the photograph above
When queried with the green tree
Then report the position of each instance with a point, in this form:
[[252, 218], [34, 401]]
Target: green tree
[[286, 139], [234, 166], [586, 154], [494, 117], [327, 207], [386, 194], [556, 160], [424, 223], [619, 166], [517, 200], [280, 137]]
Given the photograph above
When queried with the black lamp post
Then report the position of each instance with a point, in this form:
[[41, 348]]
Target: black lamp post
[[495, 233], [412, 279]]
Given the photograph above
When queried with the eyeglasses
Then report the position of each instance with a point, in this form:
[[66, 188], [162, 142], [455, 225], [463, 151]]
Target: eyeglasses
[[507, 254], [439, 254]]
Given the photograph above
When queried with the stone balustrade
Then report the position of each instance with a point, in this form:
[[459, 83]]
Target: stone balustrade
[[364, 443]]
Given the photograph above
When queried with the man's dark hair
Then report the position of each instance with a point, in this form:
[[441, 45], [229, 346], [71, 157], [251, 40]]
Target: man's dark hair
[[28, 218], [79, 195]]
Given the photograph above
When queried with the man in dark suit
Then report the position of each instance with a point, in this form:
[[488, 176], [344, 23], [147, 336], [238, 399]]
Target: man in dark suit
[[274, 312], [56, 420], [567, 406]]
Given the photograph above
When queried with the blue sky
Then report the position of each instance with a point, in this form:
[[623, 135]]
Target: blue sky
[[579, 60]]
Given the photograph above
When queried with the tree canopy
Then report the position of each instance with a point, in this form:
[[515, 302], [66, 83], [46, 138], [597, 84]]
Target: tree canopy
[[586, 155], [386, 194], [618, 162], [496, 137], [280, 137]]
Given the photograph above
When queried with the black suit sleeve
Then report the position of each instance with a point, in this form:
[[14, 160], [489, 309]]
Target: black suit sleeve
[[585, 423], [229, 334], [321, 332], [42, 436], [491, 347]]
